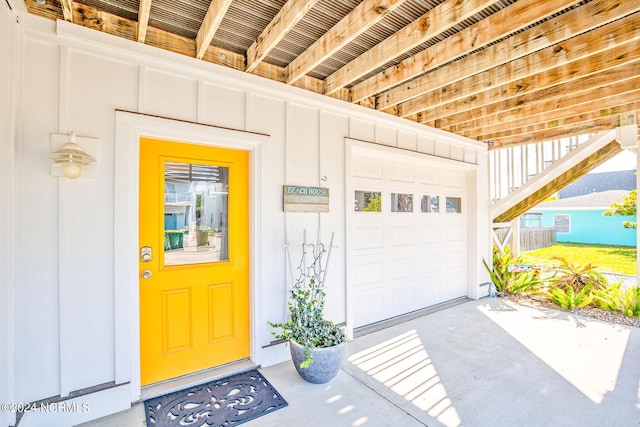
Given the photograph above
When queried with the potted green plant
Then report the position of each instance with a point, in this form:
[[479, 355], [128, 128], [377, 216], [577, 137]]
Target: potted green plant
[[317, 344]]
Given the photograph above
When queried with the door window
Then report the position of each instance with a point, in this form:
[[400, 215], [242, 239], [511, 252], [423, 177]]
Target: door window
[[195, 213]]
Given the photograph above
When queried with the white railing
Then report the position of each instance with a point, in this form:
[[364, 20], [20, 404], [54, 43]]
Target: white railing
[[511, 167]]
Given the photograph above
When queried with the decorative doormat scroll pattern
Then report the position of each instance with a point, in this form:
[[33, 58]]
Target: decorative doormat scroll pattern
[[225, 402]]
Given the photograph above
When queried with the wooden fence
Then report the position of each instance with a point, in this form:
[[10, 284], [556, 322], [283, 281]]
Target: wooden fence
[[532, 238]]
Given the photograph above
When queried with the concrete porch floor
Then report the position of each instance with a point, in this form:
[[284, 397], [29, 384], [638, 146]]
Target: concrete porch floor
[[488, 362]]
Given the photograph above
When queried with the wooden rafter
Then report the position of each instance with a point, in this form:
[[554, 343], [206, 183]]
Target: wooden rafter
[[553, 110], [290, 14], [593, 126], [105, 22], [210, 23], [143, 19], [67, 10], [527, 69], [580, 47], [525, 103], [571, 121], [363, 17], [583, 74], [518, 58], [434, 22], [499, 25], [607, 83]]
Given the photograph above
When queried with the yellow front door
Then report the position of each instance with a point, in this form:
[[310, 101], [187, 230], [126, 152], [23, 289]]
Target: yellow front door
[[193, 258]]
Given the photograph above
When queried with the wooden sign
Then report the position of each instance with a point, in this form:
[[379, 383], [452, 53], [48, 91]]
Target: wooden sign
[[305, 199]]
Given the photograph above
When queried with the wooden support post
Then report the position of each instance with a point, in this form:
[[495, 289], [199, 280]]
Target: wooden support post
[[515, 237], [628, 131]]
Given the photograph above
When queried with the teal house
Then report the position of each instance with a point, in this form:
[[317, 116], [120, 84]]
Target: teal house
[[580, 219]]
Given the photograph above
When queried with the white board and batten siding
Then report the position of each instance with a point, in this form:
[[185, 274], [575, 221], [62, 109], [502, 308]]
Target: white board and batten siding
[[400, 262], [70, 268]]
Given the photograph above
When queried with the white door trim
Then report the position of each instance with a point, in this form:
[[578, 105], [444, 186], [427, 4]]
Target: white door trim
[[129, 128]]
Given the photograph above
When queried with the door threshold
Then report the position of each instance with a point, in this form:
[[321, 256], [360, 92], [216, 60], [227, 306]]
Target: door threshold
[[197, 378]]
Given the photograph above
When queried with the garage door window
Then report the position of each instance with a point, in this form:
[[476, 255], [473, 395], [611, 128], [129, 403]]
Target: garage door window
[[454, 204], [401, 202], [430, 204], [368, 201]]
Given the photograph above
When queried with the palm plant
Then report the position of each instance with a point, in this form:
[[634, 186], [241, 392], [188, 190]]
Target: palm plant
[[569, 275]]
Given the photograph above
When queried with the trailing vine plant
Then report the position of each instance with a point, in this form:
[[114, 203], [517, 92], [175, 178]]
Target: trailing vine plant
[[307, 325]]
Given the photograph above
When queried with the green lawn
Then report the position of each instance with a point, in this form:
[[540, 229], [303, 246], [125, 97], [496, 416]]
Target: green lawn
[[606, 259]]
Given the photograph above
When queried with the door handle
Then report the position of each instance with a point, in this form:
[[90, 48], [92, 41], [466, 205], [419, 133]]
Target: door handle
[[146, 274]]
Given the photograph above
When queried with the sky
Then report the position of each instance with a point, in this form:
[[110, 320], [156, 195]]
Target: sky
[[624, 161]]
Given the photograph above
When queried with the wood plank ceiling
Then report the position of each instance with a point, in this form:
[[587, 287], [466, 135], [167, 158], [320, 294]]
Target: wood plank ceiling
[[501, 71]]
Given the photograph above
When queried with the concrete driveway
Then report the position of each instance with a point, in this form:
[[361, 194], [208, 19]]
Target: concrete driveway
[[488, 362], [481, 363]]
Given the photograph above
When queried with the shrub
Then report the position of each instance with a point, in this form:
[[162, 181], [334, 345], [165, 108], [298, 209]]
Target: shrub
[[505, 279], [608, 298], [626, 301], [568, 299], [630, 301]]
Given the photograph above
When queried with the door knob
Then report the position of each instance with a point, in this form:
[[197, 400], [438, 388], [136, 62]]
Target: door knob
[[146, 274]]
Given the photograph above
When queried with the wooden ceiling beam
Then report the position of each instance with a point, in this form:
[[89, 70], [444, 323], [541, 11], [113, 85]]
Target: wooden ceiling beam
[[99, 20], [289, 15], [210, 23], [519, 56], [569, 120], [434, 22], [143, 19], [551, 134], [495, 27], [67, 9], [603, 68], [609, 83], [590, 98], [363, 17], [554, 110]]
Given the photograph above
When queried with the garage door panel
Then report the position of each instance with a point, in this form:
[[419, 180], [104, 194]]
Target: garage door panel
[[402, 235], [401, 172], [430, 176], [367, 271], [402, 300], [368, 237], [429, 264], [401, 267], [454, 179], [367, 167], [430, 290], [430, 234], [455, 233], [453, 256], [454, 286], [403, 259]]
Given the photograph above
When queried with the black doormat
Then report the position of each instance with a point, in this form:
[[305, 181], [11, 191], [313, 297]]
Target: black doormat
[[225, 402]]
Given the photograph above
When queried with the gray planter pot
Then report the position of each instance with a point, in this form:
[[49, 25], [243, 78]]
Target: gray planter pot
[[326, 362]]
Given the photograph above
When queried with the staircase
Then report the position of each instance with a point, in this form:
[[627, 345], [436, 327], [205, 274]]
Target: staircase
[[523, 176]]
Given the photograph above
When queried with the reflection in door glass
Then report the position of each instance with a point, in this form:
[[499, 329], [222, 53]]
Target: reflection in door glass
[[195, 213]]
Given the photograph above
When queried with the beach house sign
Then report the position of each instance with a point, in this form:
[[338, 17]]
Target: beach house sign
[[297, 198]]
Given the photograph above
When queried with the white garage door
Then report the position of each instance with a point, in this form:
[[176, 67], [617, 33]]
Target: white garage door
[[409, 240]]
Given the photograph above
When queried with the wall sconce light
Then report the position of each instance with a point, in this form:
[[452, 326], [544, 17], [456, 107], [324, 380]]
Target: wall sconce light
[[71, 157]]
